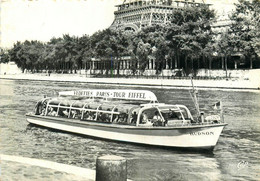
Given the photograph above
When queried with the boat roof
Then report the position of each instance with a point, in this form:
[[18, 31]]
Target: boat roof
[[142, 95]]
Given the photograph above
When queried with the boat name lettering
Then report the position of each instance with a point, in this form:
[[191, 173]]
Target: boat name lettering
[[111, 94], [103, 94], [199, 133], [119, 94], [136, 95], [83, 93]]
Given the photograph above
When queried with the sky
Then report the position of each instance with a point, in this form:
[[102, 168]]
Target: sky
[[43, 19]]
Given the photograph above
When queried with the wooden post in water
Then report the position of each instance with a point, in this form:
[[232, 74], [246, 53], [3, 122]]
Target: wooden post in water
[[111, 168]]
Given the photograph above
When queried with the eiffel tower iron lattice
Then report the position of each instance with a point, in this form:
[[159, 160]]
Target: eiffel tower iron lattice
[[135, 14]]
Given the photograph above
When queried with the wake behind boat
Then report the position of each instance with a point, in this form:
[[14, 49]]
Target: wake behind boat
[[133, 116]]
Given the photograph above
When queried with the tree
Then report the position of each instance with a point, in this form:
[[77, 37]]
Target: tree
[[4, 57], [224, 48], [70, 52], [27, 55], [14, 56], [110, 45], [189, 33], [101, 44], [119, 41], [84, 50], [245, 28], [140, 50], [155, 36], [147, 44], [54, 55]]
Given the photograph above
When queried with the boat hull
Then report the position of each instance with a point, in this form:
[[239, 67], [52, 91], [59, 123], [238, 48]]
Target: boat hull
[[188, 137]]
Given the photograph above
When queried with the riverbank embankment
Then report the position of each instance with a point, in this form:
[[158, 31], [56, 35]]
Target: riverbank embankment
[[230, 84], [23, 168]]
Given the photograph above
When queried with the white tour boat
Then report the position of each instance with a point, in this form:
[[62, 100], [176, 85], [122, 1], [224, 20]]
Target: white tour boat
[[133, 116]]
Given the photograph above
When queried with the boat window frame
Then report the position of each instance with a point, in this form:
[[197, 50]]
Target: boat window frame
[[70, 106], [48, 105], [187, 110], [83, 111], [145, 108], [58, 108], [178, 106]]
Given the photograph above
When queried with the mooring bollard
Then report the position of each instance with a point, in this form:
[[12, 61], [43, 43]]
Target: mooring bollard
[[111, 168]]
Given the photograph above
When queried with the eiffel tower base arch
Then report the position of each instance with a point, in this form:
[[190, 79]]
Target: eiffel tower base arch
[[129, 26]]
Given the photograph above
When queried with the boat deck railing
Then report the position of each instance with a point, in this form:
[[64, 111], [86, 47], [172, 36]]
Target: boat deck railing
[[111, 113]]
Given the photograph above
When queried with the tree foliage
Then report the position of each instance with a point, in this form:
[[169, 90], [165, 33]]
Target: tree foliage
[[4, 57], [189, 34], [245, 29]]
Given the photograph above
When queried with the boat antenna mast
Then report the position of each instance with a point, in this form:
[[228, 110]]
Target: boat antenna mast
[[194, 96]]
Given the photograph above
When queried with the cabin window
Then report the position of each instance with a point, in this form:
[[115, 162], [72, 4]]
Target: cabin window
[[52, 108], [151, 117], [63, 112], [75, 114], [52, 111], [120, 118], [89, 115], [105, 116], [176, 116], [184, 113]]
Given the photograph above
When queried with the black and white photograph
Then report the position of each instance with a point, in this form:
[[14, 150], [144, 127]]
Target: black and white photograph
[[129, 90]]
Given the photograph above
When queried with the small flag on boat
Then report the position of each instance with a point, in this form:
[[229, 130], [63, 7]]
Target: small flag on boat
[[217, 105]]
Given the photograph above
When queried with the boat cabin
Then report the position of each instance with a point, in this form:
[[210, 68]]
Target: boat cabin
[[127, 107]]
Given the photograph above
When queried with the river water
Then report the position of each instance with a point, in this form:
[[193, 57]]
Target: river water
[[236, 156]]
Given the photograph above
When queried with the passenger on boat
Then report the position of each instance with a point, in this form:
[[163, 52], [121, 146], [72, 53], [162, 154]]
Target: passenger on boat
[[174, 115], [77, 114], [157, 117], [109, 116], [144, 120], [73, 113], [65, 112], [122, 118], [87, 116], [115, 118], [103, 117], [52, 112], [92, 116], [100, 117], [134, 118], [158, 121]]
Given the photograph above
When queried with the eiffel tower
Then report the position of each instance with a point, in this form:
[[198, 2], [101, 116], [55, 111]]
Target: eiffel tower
[[135, 14]]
